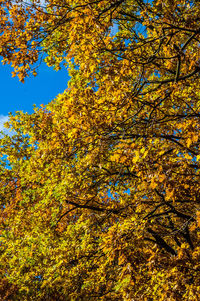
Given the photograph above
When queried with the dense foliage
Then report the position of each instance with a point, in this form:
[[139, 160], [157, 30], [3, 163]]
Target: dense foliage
[[100, 191]]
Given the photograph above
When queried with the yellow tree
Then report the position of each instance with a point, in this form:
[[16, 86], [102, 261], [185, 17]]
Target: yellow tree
[[100, 188]]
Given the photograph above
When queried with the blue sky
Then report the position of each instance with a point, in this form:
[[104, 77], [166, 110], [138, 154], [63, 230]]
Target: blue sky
[[16, 96]]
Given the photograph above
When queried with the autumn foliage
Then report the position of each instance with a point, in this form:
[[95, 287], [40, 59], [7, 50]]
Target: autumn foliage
[[100, 189]]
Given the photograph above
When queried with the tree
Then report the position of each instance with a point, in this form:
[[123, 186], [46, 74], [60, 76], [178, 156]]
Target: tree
[[100, 188]]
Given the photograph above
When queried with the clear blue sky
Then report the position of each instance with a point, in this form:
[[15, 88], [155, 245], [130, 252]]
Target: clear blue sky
[[16, 96]]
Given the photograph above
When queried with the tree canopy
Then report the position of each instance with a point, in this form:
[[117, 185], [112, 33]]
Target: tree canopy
[[100, 193]]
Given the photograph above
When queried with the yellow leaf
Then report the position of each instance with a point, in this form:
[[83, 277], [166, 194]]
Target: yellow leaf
[[162, 177]]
